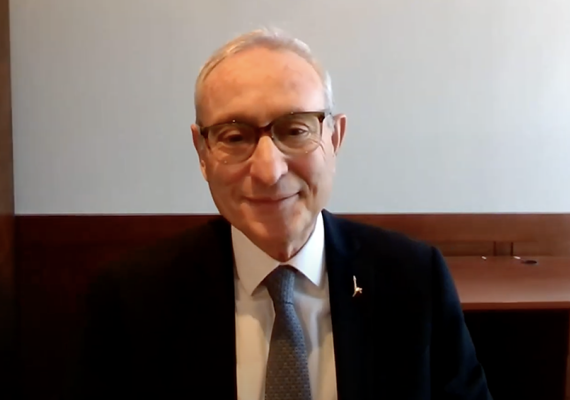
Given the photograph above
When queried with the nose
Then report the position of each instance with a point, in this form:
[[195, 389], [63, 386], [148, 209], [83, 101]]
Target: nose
[[268, 163]]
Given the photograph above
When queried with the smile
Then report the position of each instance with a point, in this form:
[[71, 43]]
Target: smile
[[270, 200]]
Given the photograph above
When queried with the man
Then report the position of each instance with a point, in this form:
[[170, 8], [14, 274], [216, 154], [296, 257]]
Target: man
[[276, 299]]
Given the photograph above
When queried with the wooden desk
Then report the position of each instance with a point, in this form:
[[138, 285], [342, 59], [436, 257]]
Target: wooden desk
[[518, 316], [505, 283]]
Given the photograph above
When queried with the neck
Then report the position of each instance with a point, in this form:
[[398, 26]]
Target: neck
[[286, 249], [283, 252]]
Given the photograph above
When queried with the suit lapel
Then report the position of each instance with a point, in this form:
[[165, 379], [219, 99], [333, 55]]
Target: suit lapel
[[347, 312]]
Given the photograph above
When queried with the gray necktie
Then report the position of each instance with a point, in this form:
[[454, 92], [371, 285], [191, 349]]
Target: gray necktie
[[287, 368]]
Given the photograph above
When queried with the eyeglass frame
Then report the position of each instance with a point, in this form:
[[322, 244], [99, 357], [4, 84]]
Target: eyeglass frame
[[262, 130]]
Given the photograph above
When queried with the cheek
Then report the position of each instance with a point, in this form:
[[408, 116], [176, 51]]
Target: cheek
[[315, 170], [224, 179]]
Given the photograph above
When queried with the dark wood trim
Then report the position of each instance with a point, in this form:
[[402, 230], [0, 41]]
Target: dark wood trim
[[503, 249], [57, 230], [7, 294], [476, 227], [456, 234]]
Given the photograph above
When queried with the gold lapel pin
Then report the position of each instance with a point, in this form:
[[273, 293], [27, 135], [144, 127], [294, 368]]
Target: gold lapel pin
[[357, 290]]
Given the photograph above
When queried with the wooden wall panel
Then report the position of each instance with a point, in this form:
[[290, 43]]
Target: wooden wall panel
[[474, 232], [554, 248], [477, 227], [7, 304]]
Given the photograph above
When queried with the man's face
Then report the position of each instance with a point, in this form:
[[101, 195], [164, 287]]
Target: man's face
[[272, 197]]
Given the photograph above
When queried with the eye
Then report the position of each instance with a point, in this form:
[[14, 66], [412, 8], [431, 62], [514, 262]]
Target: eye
[[294, 129], [231, 135], [234, 137], [297, 130]]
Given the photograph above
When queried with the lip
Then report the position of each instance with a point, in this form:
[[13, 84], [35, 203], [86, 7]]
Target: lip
[[269, 200]]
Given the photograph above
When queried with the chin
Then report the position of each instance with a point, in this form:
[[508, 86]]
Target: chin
[[271, 227], [276, 228]]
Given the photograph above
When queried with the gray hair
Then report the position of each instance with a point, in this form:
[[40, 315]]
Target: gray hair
[[270, 38]]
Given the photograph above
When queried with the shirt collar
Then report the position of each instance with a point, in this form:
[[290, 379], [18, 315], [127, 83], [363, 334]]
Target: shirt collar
[[253, 264]]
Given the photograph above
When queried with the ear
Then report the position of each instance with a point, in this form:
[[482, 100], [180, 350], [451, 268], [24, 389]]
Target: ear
[[200, 146], [338, 132]]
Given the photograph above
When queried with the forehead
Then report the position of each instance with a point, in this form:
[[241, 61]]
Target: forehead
[[260, 84]]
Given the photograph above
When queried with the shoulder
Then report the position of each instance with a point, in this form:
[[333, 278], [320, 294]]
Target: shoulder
[[390, 256], [382, 242], [405, 268], [168, 257]]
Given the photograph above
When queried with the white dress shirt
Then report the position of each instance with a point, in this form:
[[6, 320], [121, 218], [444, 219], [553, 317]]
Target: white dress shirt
[[255, 315]]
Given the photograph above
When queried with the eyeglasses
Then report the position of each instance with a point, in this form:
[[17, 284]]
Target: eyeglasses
[[294, 133]]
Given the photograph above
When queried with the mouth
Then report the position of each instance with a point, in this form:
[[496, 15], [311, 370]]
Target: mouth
[[274, 200]]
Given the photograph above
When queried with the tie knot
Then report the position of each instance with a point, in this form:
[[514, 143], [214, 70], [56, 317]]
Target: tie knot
[[281, 284]]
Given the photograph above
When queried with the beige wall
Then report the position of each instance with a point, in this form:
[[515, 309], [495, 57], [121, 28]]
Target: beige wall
[[454, 106]]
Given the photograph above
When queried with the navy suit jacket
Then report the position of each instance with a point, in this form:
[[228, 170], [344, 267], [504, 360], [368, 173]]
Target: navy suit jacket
[[162, 322]]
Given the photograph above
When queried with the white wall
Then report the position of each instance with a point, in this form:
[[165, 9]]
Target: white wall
[[453, 105]]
